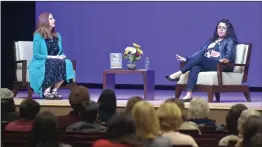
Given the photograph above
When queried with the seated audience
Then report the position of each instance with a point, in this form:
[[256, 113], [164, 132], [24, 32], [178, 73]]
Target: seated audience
[[170, 118], [147, 126], [198, 111], [121, 132], [231, 124], [77, 97], [45, 131], [243, 118], [180, 104], [28, 110], [131, 102], [107, 105], [186, 125], [8, 112], [88, 123], [252, 132]]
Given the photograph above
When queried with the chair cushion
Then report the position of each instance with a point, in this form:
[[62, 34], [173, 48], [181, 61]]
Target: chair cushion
[[24, 51], [241, 55], [210, 78], [19, 75]]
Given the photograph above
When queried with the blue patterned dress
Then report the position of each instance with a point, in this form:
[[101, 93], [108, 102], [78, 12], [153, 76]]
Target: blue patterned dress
[[55, 69]]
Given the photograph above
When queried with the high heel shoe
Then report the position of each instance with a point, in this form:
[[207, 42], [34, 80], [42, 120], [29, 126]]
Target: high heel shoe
[[169, 79]]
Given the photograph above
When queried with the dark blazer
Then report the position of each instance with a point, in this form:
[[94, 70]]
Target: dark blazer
[[227, 49]]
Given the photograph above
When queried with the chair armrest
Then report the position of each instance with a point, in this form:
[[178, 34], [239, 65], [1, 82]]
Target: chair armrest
[[220, 70], [24, 69], [74, 64]]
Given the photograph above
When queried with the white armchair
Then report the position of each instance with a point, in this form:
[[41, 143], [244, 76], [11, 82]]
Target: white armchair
[[23, 56], [218, 81]]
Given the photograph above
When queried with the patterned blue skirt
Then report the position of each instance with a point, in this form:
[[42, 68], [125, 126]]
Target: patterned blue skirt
[[55, 71]]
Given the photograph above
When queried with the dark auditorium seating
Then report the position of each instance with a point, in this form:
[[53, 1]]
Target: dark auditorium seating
[[21, 139]]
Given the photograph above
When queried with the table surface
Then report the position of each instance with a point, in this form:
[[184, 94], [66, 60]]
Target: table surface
[[127, 71]]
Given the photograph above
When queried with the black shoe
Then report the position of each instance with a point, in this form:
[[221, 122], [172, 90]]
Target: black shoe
[[57, 96], [187, 100], [169, 79], [49, 96]]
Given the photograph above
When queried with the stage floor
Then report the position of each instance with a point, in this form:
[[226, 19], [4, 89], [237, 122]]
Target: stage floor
[[227, 99]]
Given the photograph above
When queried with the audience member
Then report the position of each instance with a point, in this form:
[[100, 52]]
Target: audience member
[[121, 132], [131, 102], [28, 110], [170, 118], [107, 105], [181, 105], [147, 125], [243, 118], [88, 123], [252, 132], [198, 111], [45, 131], [231, 124], [186, 125], [8, 112], [77, 97]]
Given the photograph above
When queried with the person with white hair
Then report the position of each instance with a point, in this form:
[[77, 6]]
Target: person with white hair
[[198, 111]]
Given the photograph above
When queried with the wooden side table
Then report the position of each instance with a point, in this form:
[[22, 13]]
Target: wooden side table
[[148, 80]]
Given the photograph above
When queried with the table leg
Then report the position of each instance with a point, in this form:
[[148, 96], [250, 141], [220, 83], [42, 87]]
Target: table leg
[[108, 81], [149, 85]]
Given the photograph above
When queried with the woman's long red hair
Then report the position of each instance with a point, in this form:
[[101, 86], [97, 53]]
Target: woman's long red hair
[[43, 26]]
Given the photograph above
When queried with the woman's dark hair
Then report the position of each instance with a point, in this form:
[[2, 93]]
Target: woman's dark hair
[[232, 117], [89, 112], [28, 109], [121, 129], [44, 132], [107, 105], [252, 129], [230, 33]]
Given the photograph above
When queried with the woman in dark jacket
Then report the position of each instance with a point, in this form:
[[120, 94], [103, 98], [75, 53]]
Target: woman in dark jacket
[[220, 48]]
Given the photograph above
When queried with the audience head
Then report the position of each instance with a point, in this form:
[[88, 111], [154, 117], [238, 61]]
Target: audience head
[[224, 29], [107, 105], [198, 109], [131, 103], [44, 130], [46, 22], [29, 109], [147, 123], [78, 96], [243, 118], [121, 128], [252, 132], [170, 117], [180, 104], [89, 112], [232, 117], [7, 103]]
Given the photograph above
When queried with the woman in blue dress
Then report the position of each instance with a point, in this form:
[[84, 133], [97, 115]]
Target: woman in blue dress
[[49, 68], [220, 48]]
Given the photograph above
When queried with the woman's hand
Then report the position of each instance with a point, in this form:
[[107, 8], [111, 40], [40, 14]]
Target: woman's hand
[[179, 58], [224, 60]]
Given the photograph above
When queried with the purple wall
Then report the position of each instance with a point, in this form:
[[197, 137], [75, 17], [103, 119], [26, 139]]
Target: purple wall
[[92, 30]]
